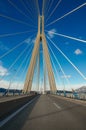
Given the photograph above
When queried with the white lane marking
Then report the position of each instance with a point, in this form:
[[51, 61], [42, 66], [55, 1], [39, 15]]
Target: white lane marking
[[15, 113], [57, 106]]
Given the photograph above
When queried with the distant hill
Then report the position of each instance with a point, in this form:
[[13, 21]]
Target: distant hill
[[81, 89], [11, 90], [2, 89]]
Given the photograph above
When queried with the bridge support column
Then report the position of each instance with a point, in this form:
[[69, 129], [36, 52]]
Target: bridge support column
[[30, 73], [48, 65]]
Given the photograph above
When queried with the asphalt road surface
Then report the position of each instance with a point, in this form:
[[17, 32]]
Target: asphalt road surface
[[50, 113]]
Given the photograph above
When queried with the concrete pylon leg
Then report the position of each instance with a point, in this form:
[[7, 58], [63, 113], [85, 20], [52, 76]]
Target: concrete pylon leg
[[30, 73], [44, 75], [48, 65]]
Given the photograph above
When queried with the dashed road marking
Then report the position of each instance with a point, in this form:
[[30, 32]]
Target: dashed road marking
[[56, 105]]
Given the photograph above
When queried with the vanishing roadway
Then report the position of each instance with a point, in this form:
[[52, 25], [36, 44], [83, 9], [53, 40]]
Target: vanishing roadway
[[50, 113]]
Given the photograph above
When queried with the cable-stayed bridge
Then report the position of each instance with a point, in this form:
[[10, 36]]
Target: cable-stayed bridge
[[42, 69]]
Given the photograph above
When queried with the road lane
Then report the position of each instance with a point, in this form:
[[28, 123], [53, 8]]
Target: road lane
[[49, 113]]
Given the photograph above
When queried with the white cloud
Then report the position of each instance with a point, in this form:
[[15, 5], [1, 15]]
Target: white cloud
[[19, 85], [3, 70], [51, 33], [78, 52], [29, 40], [4, 84], [33, 40], [75, 86], [14, 85], [70, 87], [66, 76]]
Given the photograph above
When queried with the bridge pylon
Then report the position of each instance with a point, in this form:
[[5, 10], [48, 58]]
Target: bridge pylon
[[29, 77]]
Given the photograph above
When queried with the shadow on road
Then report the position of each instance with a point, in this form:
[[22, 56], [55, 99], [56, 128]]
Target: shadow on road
[[19, 120]]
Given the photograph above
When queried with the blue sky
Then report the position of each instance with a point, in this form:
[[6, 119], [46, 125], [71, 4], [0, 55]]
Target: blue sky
[[21, 16]]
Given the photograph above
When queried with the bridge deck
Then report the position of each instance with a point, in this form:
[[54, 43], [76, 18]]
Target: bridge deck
[[50, 113]]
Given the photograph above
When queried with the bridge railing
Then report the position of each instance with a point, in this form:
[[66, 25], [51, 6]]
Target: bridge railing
[[79, 96]]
